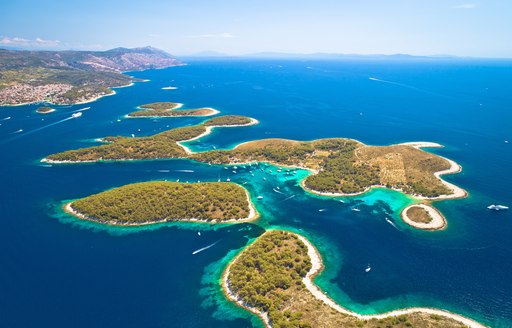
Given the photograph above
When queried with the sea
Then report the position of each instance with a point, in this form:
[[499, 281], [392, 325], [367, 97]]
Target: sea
[[58, 271]]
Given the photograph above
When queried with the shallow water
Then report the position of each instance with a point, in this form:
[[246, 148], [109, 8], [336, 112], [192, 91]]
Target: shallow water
[[63, 272]]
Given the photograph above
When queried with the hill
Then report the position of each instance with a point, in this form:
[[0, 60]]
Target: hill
[[69, 77]]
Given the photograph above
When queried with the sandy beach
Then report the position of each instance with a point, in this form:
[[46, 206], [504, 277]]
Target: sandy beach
[[438, 221], [209, 130], [317, 267], [457, 192]]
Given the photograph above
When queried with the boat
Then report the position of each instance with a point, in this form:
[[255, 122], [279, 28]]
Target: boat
[[75, 115], [356, 210], [199, 233], [322, 209], [234, 171], [368, 268], [341, 201], [228, 179], [388, 220], [497, 207], [260, 197]]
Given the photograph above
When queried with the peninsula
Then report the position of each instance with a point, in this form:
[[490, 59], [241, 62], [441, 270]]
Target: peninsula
[[161, 145], [170, 109], [71, 77], [273, 278], [161, 201]]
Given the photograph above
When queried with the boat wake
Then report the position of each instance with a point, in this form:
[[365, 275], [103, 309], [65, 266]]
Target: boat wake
[[388, 220], [38, 129], [204, 248], [186, 171], [6, 118], [403, 85], [82, 109], [279, 192], [288, 198]]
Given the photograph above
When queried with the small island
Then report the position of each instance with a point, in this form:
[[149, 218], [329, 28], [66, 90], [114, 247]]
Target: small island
[[273, 278], [161, 105], [423, 216], [170, 109], [45, 110], [162, 201]]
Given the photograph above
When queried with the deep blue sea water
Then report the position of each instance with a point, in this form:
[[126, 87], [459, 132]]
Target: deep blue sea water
[[58, 272]]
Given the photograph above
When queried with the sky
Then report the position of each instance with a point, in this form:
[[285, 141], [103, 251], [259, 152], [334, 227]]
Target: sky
[[479, 28]]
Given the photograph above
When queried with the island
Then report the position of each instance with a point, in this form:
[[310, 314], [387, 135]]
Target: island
[[45, 110], [170, 109], [162, 201], [344, 167], [162, 145], [423, 216], [72, 77], [273, 278]]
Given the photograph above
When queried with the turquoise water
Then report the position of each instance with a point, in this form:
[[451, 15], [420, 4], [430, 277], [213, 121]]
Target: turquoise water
[[60, 271]]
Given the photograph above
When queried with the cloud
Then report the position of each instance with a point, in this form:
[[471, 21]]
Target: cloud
[[224, 35], [29, 43], [466, 6]]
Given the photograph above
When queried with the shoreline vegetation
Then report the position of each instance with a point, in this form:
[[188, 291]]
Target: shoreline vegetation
[[164, 145], [170, 109], [273, 278], [155, 202], [338, 166]]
